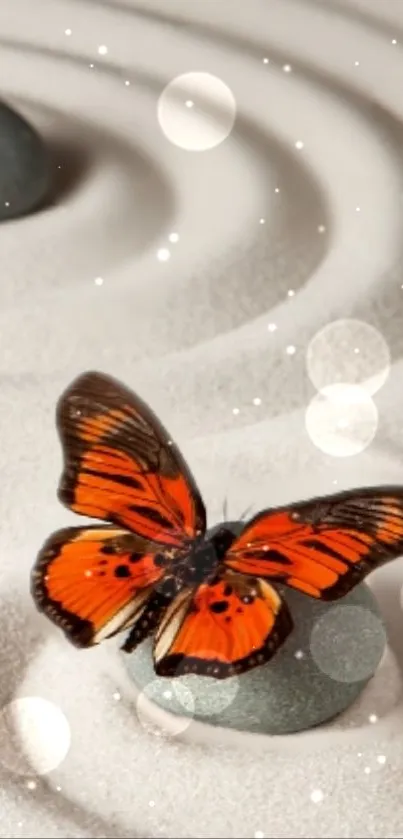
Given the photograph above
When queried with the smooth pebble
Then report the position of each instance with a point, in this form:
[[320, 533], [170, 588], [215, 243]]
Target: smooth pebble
[[25, 166]]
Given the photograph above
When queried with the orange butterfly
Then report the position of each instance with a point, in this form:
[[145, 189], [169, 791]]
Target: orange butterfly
[[207, 596]]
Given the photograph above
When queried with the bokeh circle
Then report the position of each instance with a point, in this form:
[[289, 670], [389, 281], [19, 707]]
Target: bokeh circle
[[34, 736], [182, 701], [339, 638], [349, 352], [342, 420], [196, 111], [218, 694]]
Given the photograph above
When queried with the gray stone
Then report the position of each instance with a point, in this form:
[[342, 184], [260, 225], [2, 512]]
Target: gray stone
[[25, 166], [321, 669]]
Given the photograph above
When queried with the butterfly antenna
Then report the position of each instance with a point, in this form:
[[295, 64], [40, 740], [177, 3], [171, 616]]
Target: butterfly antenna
[[248, 510], [225, 509]]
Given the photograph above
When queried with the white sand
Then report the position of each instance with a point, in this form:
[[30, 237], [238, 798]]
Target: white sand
[[190, 335]]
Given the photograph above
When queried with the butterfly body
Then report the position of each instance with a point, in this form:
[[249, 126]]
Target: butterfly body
[[203, 561], [151, 566], [191, 571]]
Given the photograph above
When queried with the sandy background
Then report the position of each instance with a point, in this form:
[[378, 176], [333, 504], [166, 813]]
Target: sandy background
[[289, 224]]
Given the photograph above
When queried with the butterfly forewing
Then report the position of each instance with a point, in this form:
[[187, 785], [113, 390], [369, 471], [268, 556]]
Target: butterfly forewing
[[120, 464], [326, 546]]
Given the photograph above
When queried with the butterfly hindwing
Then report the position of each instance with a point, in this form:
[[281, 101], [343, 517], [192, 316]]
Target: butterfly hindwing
[[326, 546], [120, 464], [96, 581], [221, 629]]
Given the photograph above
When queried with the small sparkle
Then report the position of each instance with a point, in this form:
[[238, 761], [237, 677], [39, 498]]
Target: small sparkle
[[335, 481], [91, 66], [291, 350], [163, 254], [381, 759], [356, 63], [259, 834], [116, 695], [321, 228], [235, 411], [20, 824], [31, 784], [167, 694], [127, 83], [276, 189], [262, 221], [273, 326], [68, 32], [356, 350], [358, 209], [257, 400], [359, 754], [87, 573], [394, 42], [287, 68], [58, 789], [299, 144], [174, 238], [265, 61], [6, 203], [98, 281], [299, 654], [103, 50], [316, 796], [189, 103], [373, 718], [291, 292], [151, 803], [367, 770]]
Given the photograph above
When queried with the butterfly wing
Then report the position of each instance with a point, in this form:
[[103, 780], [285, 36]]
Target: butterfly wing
[[120, 464], [96, 581], [220, 629], [326, 546]]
